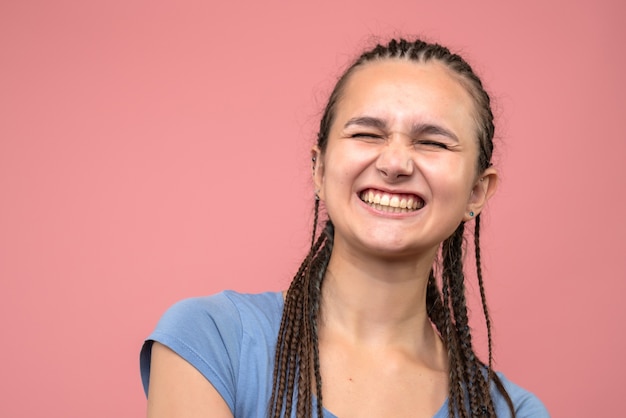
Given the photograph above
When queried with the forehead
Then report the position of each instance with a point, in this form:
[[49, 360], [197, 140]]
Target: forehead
[[400, 90]]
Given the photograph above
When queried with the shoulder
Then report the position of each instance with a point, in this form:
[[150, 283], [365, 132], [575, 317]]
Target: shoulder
[[211, 333], [227, 309], [220, 318], [526, 404]]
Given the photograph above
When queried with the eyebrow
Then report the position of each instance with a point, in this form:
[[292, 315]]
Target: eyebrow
[[367, 121], [416, 130], [430, 129]]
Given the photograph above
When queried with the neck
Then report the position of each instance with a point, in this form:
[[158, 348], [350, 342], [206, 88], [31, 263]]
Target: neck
[[377, 301]]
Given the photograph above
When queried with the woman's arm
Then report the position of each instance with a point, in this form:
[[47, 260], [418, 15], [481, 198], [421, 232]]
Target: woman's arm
[[179, 390]]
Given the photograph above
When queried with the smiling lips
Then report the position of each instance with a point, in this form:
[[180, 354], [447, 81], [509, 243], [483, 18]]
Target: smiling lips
[[391, 202]]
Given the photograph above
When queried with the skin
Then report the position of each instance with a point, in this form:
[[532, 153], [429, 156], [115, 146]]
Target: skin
[[408, 128], [399, 127], [179, 390]]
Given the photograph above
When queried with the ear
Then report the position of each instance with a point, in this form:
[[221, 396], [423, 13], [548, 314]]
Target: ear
[[318, 171], [483, 189]]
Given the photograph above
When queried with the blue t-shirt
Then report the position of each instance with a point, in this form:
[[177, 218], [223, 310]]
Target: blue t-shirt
[[231, 338]]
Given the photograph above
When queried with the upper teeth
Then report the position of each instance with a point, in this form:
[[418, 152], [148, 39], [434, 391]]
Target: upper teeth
[[403, 201]]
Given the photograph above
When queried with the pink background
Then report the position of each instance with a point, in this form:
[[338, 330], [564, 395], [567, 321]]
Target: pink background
[[151, 152]]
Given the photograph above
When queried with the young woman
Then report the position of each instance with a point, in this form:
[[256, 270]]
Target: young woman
[[375, 322]]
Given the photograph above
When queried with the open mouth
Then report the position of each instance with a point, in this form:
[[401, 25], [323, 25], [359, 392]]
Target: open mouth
[[391, 202]]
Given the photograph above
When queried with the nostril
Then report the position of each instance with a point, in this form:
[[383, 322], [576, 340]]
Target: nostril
[[395, 172], [395, 163]]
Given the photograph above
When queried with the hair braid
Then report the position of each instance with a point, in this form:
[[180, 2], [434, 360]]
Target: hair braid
[[315, 297], [479, 273], [455, 392], [434, 304], [297, 349], [478, 397], [483, 298]]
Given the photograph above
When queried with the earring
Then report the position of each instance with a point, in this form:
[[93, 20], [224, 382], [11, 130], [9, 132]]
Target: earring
[[471, 214], [317, 197]]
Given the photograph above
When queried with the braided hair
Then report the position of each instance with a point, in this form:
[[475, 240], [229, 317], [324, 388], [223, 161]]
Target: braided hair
[[297, 363]]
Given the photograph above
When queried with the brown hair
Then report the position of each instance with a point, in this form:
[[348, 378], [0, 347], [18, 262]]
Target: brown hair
[[297, 355]]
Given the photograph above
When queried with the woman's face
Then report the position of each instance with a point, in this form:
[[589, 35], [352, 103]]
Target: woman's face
[[399, 172]]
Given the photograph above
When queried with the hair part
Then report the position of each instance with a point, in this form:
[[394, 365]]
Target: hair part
[[297, 374]]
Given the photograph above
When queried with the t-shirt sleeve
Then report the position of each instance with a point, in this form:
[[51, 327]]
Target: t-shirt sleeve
[[527, 405], [207, 333]]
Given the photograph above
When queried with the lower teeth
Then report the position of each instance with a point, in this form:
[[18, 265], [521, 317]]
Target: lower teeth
[[390, 209]]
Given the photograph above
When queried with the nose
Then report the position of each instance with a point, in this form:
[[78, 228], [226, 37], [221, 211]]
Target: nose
[[395, 161]]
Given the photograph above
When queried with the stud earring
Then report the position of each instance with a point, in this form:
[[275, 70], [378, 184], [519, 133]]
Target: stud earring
[[471, 214], [317, 197]]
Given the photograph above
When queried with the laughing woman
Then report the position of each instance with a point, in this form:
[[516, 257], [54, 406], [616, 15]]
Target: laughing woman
[[375, 321]]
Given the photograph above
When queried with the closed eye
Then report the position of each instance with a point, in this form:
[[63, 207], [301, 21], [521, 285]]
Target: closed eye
[[435, 144], [366, 135]]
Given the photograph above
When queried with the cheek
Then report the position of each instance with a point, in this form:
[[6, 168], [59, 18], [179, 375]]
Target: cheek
[[342, 166], [335, 181], [451, 182]]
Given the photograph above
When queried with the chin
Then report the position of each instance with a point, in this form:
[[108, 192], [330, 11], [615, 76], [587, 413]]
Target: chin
[[396, 250]]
